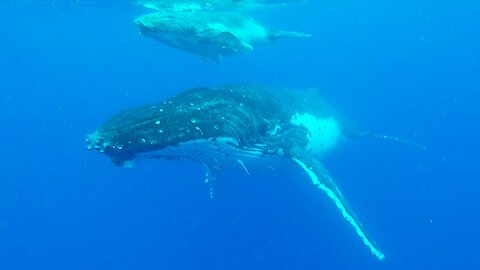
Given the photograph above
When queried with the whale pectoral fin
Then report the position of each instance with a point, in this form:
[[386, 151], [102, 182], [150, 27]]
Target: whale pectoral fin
[[387, 138], [238, 44], [277, 34], [322, 180], [226, 40], [151, 6], [243, 166]]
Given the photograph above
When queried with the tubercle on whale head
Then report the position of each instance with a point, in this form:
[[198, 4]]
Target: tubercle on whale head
[[95, 141]]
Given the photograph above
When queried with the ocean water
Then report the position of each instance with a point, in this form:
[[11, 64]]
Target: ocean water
[[408, 68]]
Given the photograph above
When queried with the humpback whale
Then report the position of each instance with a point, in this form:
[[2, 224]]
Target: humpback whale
[[237, 124], [212, 34]]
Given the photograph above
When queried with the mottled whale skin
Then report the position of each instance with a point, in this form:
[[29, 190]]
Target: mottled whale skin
[[211, 34], [237, 123]]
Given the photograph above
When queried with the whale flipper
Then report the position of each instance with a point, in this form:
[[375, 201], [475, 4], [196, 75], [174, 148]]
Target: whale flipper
[[227, 39], [277, 34], [321, 179]]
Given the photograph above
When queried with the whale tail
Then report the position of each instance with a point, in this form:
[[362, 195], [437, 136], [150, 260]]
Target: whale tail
[[276, 34]]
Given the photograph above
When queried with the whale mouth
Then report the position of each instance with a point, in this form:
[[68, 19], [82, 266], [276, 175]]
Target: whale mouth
[[141, 26]]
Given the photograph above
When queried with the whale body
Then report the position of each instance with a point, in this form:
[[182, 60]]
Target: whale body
[[235, 123], [211, 34]]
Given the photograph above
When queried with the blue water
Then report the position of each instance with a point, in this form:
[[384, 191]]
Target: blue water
[[409, 69]]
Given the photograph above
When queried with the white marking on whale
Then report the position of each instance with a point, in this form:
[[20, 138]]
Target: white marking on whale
[[324, 132]]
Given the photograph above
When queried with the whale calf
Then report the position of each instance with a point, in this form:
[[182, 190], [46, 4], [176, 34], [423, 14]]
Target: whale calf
[[239, 124], [211, 34]]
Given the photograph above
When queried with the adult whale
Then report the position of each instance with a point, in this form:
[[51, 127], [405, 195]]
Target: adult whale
[[239, 124]]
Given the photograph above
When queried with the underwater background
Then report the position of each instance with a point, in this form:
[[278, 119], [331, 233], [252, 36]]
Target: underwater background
[[408, 68]]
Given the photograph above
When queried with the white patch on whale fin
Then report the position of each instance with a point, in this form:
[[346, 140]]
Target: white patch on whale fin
[[334, 193]]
